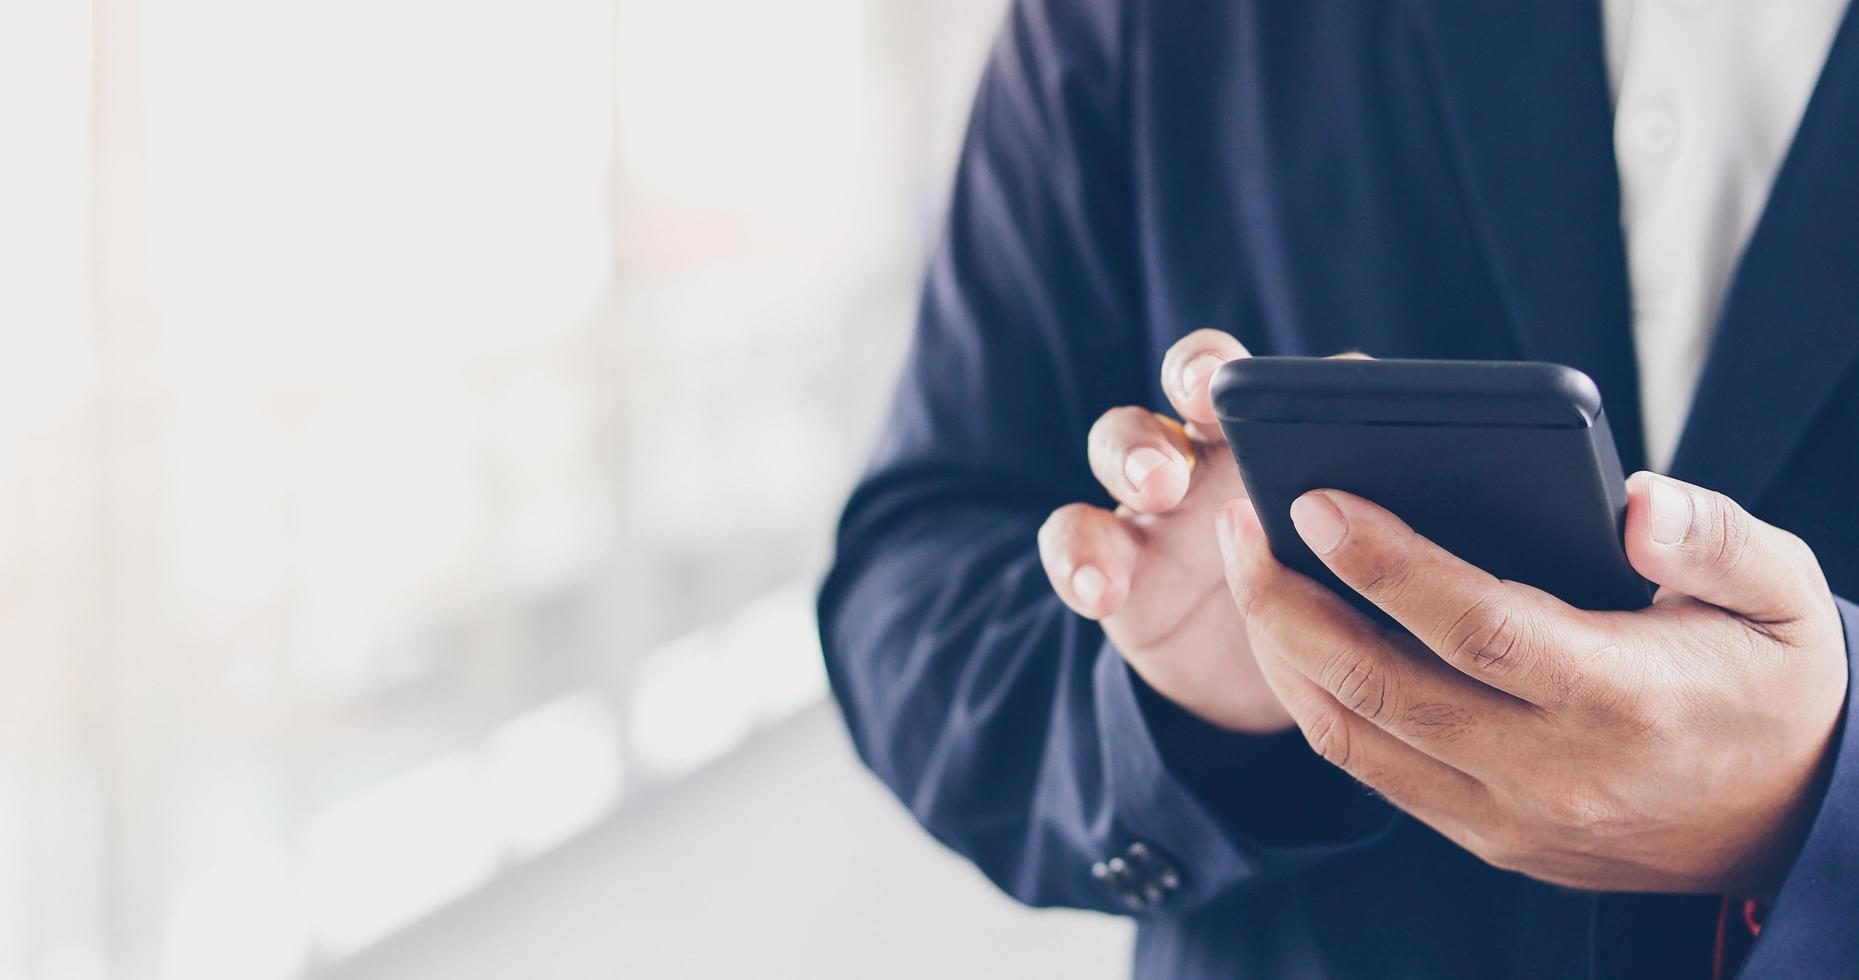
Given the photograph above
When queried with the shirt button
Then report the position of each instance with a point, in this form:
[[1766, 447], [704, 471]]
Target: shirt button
[[1651, 132]]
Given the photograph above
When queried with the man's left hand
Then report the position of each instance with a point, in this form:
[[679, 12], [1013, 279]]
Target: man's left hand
[[1674, 749]]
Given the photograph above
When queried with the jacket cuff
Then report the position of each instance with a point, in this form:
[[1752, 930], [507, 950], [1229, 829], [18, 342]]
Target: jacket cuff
[[1224, 810], [1809, 929]]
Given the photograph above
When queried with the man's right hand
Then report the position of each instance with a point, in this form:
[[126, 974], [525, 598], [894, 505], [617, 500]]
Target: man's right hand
[[1151, 572]]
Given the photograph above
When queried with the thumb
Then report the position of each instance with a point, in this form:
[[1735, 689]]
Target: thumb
[[1700, 543]]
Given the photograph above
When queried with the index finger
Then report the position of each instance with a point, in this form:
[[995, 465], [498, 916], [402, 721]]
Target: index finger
[[1371, 672], [1189, 367], [1512, 637]]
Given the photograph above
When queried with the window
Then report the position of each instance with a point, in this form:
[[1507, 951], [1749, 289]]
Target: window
[[420, 430]]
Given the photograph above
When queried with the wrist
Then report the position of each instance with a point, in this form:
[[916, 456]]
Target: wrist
[[1761, 874]]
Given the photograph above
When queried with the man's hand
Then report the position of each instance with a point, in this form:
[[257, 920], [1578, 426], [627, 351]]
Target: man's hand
[[1151, 571], [1675, 749]]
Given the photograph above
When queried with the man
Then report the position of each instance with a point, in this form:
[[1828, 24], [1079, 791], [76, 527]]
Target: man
[[1218, 746]]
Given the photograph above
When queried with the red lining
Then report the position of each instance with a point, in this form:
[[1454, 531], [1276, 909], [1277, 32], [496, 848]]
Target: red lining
[[1723, 919], [1752, 920]]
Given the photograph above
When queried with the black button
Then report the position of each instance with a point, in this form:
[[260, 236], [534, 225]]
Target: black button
[[1140, 878], [1155, 877]]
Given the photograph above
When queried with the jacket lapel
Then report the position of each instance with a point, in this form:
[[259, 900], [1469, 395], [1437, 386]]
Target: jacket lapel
[[1790, 325], [1524, 88]]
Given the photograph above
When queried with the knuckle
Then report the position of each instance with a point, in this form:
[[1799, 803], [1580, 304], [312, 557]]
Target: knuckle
[[1387, 582], [1803, 564], [1577, 811], [1730, 533], [1327, 731], [1486, 636], [1791, 545], [1361, 685], [1801, 554], [1805, 554]]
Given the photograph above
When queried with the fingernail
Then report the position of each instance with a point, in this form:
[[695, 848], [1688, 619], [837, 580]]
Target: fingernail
[[1141, 462], [1318, 522], [1671, 512], [1088, 585], [1198, 370], [1225, 531]]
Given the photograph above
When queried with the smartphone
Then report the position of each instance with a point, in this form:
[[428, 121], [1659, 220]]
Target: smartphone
[[1507, 464]]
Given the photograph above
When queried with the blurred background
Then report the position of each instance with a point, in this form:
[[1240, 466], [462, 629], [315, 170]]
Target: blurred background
[[421, 426]]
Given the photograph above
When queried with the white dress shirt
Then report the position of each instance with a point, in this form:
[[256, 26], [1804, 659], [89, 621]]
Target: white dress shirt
[[1707, 96]]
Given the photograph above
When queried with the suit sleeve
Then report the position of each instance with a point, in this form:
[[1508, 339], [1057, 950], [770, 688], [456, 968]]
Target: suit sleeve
[[1809, 931], [1008, 726]]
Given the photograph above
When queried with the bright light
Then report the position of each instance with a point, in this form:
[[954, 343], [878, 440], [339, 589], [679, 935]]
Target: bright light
[[702, 695], [388, 857], [236, 919], [372, 369], [70, 961], [12, 878], [338, 190], [553, 771], [45, 351], [700, 88]]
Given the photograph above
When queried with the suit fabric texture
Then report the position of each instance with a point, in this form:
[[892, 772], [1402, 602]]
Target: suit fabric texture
[[1412, 178]]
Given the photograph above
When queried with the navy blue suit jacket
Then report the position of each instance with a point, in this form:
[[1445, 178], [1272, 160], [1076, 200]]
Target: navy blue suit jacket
[[1411, 178]]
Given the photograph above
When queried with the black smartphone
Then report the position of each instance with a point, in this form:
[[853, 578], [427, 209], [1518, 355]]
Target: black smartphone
[[1507, 464]]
